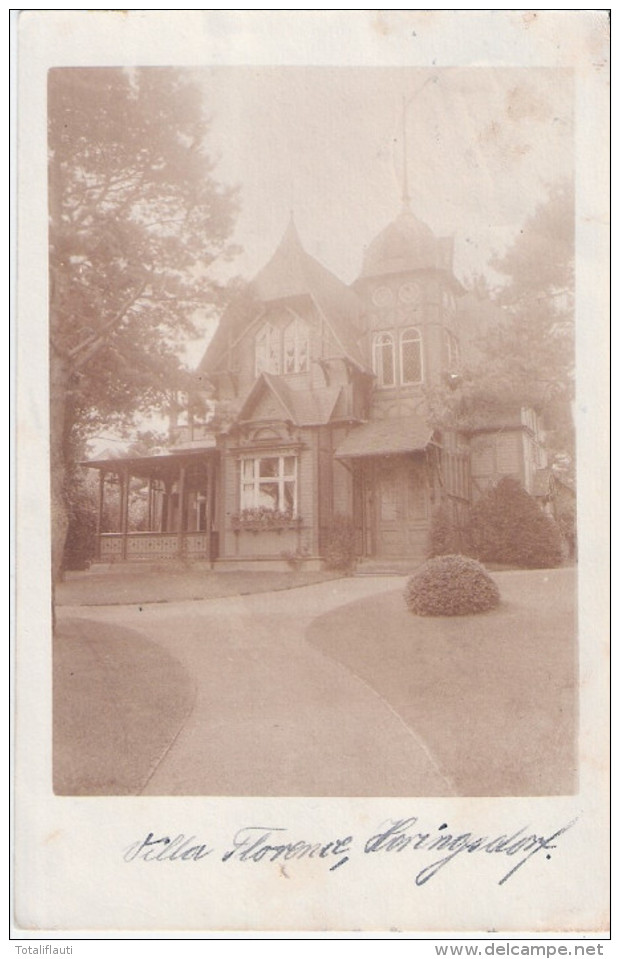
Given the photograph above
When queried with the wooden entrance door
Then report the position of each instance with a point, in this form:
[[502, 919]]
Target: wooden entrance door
[[402, 507]]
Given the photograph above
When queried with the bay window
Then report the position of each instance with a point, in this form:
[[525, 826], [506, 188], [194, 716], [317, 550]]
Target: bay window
[[269, 482]]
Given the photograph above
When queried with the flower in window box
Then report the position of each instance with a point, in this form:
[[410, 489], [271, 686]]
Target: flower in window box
[[262, 518]]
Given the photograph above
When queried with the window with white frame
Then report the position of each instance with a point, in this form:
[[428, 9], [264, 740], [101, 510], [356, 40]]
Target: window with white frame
[[410, 356], [269, 482], [296, 347], [267, 350], [383, 359], [453, 352]]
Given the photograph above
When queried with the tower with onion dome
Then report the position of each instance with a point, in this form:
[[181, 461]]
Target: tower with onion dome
[[412, 336]]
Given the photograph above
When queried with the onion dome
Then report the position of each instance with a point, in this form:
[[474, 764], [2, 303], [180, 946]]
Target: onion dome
[[404, 245]]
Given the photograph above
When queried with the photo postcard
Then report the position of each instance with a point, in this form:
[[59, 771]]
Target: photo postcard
[[312, 435]]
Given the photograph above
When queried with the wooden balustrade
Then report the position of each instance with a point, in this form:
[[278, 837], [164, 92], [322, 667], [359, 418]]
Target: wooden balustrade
[[153, 546]]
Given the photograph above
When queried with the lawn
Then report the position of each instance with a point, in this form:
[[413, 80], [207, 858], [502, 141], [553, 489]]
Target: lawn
[[493, 696], [172, 584], [119, 701]]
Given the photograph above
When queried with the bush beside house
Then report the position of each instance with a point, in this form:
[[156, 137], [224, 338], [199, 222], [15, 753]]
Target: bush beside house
[[340, 548], [507, 526], [81, 541], [443, 536]]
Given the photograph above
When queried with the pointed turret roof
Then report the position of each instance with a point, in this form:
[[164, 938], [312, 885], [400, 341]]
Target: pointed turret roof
[[292, 272], [288, 271]]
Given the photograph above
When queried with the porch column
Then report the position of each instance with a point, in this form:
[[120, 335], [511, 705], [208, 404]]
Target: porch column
[[124, 510], [209, 508], [370, 507], [165, 506], [100, 514], [181, 516], [149, 519]]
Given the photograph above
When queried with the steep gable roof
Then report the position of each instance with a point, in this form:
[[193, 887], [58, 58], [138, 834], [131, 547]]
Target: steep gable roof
[[291, 272], [238, 317]]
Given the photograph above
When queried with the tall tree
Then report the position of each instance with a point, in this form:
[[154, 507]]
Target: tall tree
[[136, 218], [525, 356], [540, 261], [536, 341]]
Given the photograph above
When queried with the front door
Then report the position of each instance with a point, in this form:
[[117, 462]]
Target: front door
[[402, 507]]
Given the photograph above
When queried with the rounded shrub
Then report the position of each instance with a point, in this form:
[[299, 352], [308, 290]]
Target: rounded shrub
[[451, 586]]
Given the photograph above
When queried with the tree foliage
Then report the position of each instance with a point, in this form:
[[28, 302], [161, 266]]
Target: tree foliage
[[540, 261], [526, 356], [136, 220]]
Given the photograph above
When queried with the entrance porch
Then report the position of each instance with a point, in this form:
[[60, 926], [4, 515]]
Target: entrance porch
[[393, 492], [393, 506]]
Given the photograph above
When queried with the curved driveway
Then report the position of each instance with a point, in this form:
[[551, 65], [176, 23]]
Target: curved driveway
[[272, 716]]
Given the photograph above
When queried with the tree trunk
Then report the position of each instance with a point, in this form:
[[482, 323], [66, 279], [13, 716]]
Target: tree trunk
[[60, 377]]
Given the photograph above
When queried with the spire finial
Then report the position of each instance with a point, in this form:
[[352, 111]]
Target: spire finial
[[406, 199], [290, 237]]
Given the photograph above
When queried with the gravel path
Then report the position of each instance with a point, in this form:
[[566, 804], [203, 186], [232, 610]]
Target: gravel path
[[271, 714]]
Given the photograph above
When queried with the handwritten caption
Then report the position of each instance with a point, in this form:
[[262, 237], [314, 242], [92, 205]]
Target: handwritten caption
[[394, 837]]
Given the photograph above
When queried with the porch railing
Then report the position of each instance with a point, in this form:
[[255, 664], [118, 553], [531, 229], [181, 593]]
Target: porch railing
[[157, 546]]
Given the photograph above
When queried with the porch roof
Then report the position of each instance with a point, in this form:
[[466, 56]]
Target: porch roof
[[154, 465], [382, 437]]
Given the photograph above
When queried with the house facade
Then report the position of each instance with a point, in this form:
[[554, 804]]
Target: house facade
[[321, 397]]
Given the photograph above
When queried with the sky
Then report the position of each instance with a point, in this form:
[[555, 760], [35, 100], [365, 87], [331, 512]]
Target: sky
[[327, 144]]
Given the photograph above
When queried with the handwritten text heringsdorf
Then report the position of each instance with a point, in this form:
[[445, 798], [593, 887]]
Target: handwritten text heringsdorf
[[431, 848]]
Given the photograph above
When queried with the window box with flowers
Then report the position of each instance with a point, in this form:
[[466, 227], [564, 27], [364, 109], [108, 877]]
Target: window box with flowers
[[261, 518]]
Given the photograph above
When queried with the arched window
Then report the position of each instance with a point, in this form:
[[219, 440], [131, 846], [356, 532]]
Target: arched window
[[410, 356], [267, 350], [296, 347], [453, 353], [383, 359]]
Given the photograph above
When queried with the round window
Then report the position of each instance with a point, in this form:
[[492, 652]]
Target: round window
[[382, 296], [409, 293]]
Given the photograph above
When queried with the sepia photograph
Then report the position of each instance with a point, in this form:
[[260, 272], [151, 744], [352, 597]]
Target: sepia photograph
[[321, 521], [312, 446]]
